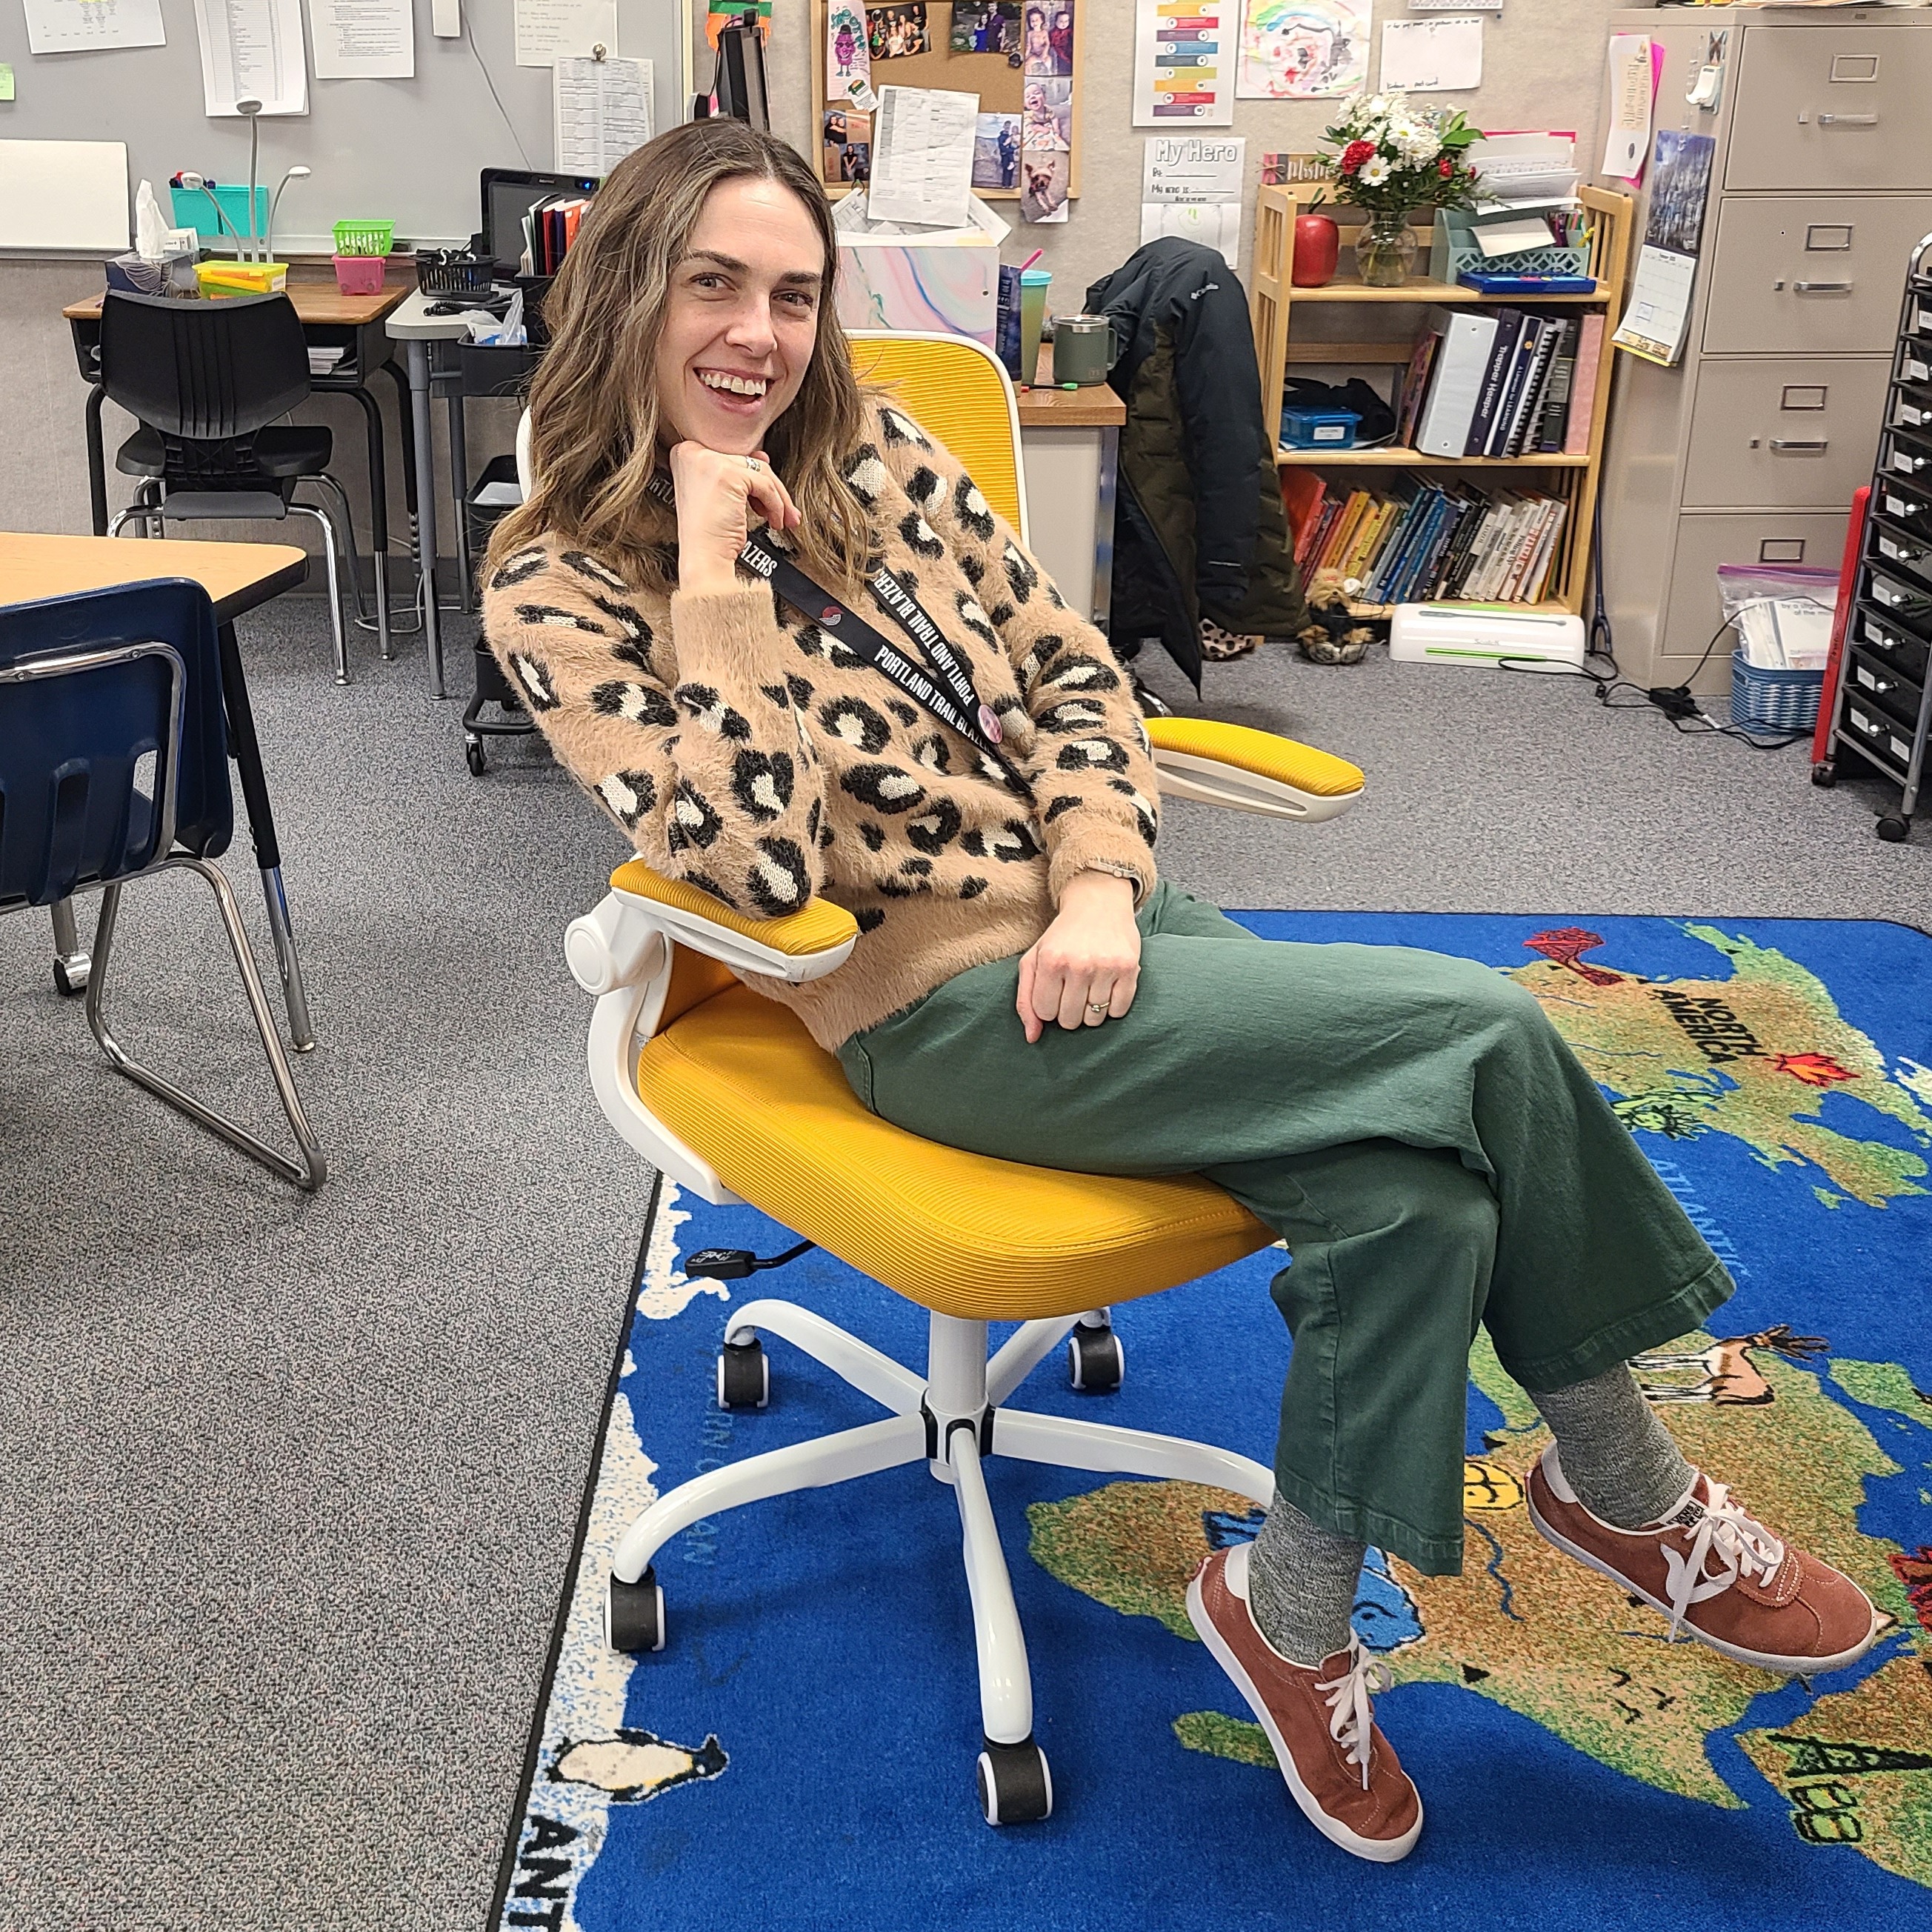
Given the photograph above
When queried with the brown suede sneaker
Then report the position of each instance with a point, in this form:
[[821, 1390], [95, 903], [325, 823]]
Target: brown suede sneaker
[[1718, 1572], [1339, 1766]]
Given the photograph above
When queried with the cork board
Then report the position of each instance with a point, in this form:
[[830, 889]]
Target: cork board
[[929, 25]]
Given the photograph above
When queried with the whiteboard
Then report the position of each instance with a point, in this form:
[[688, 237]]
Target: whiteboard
[[64, 194], [409, 151]]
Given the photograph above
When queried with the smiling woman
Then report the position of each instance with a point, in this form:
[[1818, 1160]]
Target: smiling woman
[[1024, 986]]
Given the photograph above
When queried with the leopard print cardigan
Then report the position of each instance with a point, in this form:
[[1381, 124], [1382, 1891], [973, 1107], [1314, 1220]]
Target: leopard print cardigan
[[743, 749]]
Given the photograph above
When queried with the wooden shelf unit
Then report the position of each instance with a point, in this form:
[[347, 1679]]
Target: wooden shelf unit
[[1275, 298]]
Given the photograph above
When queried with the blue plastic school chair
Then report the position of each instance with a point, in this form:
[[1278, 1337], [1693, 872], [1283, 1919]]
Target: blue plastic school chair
[[113, 766]]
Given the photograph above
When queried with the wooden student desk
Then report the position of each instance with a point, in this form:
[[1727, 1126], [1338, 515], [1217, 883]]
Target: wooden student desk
[[1070, 449], [237, 577], [330, 319]]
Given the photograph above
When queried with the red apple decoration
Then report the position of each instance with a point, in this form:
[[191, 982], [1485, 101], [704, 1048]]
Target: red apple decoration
[[1318, 246]]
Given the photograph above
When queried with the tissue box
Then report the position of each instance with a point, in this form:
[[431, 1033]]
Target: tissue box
[[172, 275], [945, 279]]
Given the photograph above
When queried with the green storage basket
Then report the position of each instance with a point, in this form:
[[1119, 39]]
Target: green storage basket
[[364, 238], [1453, 252]]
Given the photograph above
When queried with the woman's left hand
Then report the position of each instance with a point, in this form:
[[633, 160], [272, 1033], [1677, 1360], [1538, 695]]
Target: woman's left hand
[[1085, 968]]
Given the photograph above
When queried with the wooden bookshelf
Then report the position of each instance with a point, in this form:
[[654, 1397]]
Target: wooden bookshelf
[[1275, 300]]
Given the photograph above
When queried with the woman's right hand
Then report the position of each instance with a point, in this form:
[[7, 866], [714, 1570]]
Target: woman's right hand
[[716, 495]]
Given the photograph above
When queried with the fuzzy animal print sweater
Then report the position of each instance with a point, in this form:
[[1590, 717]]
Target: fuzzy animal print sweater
[[744, 750]]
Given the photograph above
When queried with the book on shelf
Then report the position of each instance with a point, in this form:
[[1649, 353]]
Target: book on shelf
[[1500, 383], [1427, 539], [1583, 386]]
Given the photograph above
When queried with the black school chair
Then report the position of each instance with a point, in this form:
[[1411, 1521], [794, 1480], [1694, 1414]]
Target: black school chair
[[113, 766], [205, 381]]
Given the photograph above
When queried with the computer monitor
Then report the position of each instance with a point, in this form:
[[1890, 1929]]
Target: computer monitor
[[740, 84], [510, 193]]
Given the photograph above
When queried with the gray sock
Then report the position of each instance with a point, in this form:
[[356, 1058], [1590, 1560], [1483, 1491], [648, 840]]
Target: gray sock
[[1616, 1454], [1301, 1585]]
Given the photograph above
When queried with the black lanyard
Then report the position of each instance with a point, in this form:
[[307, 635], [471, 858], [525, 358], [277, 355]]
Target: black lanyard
[[956, 702]]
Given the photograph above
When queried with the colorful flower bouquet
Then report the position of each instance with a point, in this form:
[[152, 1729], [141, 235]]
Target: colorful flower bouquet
[[1392, 155]]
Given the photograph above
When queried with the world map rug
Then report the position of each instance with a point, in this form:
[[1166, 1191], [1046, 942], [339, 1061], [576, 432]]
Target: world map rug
[[801, 1754]]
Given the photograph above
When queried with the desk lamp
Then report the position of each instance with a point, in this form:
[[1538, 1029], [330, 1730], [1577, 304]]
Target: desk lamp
[[294, 174], [252, 108]]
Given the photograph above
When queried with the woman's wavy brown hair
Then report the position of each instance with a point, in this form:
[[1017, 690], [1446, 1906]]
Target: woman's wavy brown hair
[[594, 418]]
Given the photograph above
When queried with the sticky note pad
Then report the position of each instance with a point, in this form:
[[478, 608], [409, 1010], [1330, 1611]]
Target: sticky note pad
[[6, 82]]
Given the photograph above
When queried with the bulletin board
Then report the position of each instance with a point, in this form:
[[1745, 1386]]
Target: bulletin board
[[1041, 108]]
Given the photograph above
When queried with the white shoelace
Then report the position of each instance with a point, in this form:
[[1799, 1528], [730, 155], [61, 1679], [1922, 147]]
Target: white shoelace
[[1351, 1705], [1741, 1546]]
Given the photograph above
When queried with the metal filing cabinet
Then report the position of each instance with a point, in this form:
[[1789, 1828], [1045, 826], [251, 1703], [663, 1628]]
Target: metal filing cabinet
[[1748, 451]]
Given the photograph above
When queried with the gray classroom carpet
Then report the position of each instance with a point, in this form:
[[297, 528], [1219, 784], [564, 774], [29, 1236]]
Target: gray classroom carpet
[[289, 1483]]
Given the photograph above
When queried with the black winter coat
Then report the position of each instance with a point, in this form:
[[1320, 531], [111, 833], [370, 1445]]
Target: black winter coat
[[1199, 529]]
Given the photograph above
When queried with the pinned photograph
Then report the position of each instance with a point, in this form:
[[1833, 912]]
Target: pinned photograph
[[848, 145], [986, 27], [896, 32], [996, 151], [1049, 115], [1046, 39], [1045, 176]]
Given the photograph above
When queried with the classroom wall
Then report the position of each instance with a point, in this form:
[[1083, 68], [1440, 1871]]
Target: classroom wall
[[1543, 63]]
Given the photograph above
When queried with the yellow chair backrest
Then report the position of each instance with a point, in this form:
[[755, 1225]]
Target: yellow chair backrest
[[961, 392]]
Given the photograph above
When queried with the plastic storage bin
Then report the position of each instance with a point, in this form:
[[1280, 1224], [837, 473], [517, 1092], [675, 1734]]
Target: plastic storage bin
[[1319, 429], [360, 274], [1773, 700], [364, 238]]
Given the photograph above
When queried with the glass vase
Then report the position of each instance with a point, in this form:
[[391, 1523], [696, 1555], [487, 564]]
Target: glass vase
[[1385, 251]]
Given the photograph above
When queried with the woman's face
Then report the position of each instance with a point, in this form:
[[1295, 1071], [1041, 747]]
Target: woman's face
[[741, 320]]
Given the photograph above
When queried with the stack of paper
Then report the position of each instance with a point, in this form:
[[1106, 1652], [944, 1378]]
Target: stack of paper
[[1527, 171], [1785, 633]]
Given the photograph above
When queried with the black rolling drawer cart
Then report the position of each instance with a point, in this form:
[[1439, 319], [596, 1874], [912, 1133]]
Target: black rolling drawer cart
[[1883, 709]]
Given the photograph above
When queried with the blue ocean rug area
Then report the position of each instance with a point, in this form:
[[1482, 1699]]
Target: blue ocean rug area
[[800, 1755]]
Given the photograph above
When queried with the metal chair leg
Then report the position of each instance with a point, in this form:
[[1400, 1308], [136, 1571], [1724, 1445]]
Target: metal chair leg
[[294, 989], [334, 585], [311, 1169], [71, 964], [354, 562]]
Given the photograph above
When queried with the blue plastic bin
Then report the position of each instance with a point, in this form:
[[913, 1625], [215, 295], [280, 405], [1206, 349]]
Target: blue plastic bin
[[1319, 429]]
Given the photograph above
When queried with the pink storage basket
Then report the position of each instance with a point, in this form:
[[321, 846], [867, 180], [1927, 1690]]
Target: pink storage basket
[[360, 274]]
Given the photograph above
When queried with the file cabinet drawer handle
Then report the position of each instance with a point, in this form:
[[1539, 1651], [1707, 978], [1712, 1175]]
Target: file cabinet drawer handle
[[1806, 445], [1822, 288], [1848, 120]]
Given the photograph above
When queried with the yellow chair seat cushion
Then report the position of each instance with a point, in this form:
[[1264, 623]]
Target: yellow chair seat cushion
[[1264, 753], [816, 927], [742, 1084]]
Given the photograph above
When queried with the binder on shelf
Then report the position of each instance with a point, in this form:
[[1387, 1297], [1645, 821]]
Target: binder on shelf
[[1496, 381], [1462, 363], [1583, 386]]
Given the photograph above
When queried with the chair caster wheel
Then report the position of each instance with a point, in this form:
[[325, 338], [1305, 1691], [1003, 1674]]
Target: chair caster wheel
[[473, 757], [634, 1614], [71, 980], [1015, 1786], [1825, 776], [1095, 1360], [1894, 831], [744, 1375]]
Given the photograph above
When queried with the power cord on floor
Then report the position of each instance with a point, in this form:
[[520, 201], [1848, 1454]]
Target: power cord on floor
[[1677, 702]]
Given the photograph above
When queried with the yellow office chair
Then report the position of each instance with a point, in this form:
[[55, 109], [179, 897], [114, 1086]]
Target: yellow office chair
[[727, 1095]]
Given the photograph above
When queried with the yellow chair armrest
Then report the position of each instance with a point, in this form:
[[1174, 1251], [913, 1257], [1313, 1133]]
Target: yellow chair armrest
[[803, 945], [1247, 770]]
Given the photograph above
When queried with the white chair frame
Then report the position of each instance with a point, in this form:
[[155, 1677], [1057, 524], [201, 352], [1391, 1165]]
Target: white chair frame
[[951, 1418]]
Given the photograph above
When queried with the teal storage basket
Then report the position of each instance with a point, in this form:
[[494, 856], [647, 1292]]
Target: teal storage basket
[[1773, 700], [1453, 252], [193, 208]]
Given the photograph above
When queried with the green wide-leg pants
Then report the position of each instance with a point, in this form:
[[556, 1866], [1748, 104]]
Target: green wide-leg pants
[[1412, 1126]]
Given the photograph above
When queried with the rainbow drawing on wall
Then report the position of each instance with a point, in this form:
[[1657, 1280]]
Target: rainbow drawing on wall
[[1297, 49]]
